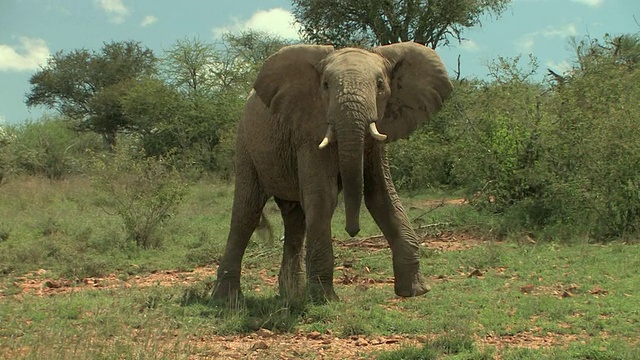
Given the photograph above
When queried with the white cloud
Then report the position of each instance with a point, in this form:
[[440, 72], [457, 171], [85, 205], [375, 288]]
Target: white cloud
[[560, 31], [26, 56], [148, 20], [592, 3], [115, 9], [526, 42], [469, 45], [276, 21], [3, 120]]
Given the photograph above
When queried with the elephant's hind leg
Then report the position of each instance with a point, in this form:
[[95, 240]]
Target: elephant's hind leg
[[248, 201], [290, 277]]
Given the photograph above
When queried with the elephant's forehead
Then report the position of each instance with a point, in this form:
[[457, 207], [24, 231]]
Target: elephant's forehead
[[354, 58]]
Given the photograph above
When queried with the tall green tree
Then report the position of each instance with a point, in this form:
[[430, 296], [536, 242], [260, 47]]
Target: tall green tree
[[188, 66], [87, 86], [379, 22], [198, 68], [247, 51], [210, 83]]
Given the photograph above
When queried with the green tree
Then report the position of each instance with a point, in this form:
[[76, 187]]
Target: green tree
[[247, 51], [375, 22], [198, 68], [86, 86], [189, 65], [210, 83], [153, 107]]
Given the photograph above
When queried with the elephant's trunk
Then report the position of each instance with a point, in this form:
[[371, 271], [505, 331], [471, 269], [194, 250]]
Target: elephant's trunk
[[350, 151]]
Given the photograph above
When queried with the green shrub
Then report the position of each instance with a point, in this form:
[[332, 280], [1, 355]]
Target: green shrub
[[494, 133], [143, 191], [594, 144], [421, 161], [7, 161], [48, 147], [560, 159]]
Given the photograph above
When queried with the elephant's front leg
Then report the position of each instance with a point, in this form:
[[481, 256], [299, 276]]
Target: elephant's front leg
[[290, 277], [384, 205], [248, 201], [319, 197]]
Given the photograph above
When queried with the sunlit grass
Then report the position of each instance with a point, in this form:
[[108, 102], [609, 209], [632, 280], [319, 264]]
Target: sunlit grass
[[581, 297]]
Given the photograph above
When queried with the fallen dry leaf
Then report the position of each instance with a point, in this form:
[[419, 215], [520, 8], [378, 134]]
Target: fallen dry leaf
[[260, 345], [597, 290], [527, 289]]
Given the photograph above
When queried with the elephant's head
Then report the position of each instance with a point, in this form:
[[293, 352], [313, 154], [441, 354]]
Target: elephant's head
[[384, 93]]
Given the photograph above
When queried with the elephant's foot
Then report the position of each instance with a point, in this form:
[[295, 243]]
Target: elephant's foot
[[227, 289], [322, 293], [411, 286], [290, 285]]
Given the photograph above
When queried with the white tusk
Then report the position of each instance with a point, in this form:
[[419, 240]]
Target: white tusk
[[327, 137], [324, 143], [373, 129]]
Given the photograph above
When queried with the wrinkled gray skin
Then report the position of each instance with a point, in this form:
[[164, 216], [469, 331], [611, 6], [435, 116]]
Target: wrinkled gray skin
[[305, 93]]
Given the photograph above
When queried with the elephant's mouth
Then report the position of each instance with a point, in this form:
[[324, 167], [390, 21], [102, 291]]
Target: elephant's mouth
[[373, 131]]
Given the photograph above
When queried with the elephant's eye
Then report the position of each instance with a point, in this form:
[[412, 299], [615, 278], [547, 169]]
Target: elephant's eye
[[325, 85], [380, 84]]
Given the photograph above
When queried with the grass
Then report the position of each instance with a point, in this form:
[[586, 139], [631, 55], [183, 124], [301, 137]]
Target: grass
[[516, 300]]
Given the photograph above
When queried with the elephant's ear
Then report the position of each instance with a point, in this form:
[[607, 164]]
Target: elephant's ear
[[419, 85], [289, 73]]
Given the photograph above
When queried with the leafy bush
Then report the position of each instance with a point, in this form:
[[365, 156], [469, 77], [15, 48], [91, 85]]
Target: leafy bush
[[47, 147], [594, 151], [7, 161], [421, 161], [560, 159], [143, 191]]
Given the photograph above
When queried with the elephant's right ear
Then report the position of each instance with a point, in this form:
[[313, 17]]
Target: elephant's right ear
[[290, 72]]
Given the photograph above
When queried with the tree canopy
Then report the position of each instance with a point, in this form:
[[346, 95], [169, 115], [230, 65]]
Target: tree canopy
[[379, 22], [86, 86]]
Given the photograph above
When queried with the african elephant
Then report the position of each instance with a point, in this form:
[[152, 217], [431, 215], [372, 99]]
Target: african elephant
[[315, 124]]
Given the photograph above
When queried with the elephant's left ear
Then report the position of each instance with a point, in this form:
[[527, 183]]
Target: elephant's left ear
[[419, 86], [290, 75]]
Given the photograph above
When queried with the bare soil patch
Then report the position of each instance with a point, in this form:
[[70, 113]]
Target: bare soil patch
[[40, 282], [444, 241], [264, 344]]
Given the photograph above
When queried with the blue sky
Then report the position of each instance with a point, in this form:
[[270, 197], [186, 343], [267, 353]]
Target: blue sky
[[30, 30]]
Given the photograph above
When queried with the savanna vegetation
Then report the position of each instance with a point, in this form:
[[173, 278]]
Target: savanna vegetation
[[114, 211]]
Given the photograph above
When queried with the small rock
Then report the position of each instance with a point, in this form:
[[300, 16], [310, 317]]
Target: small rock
[[314, 335], [362, 342]]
